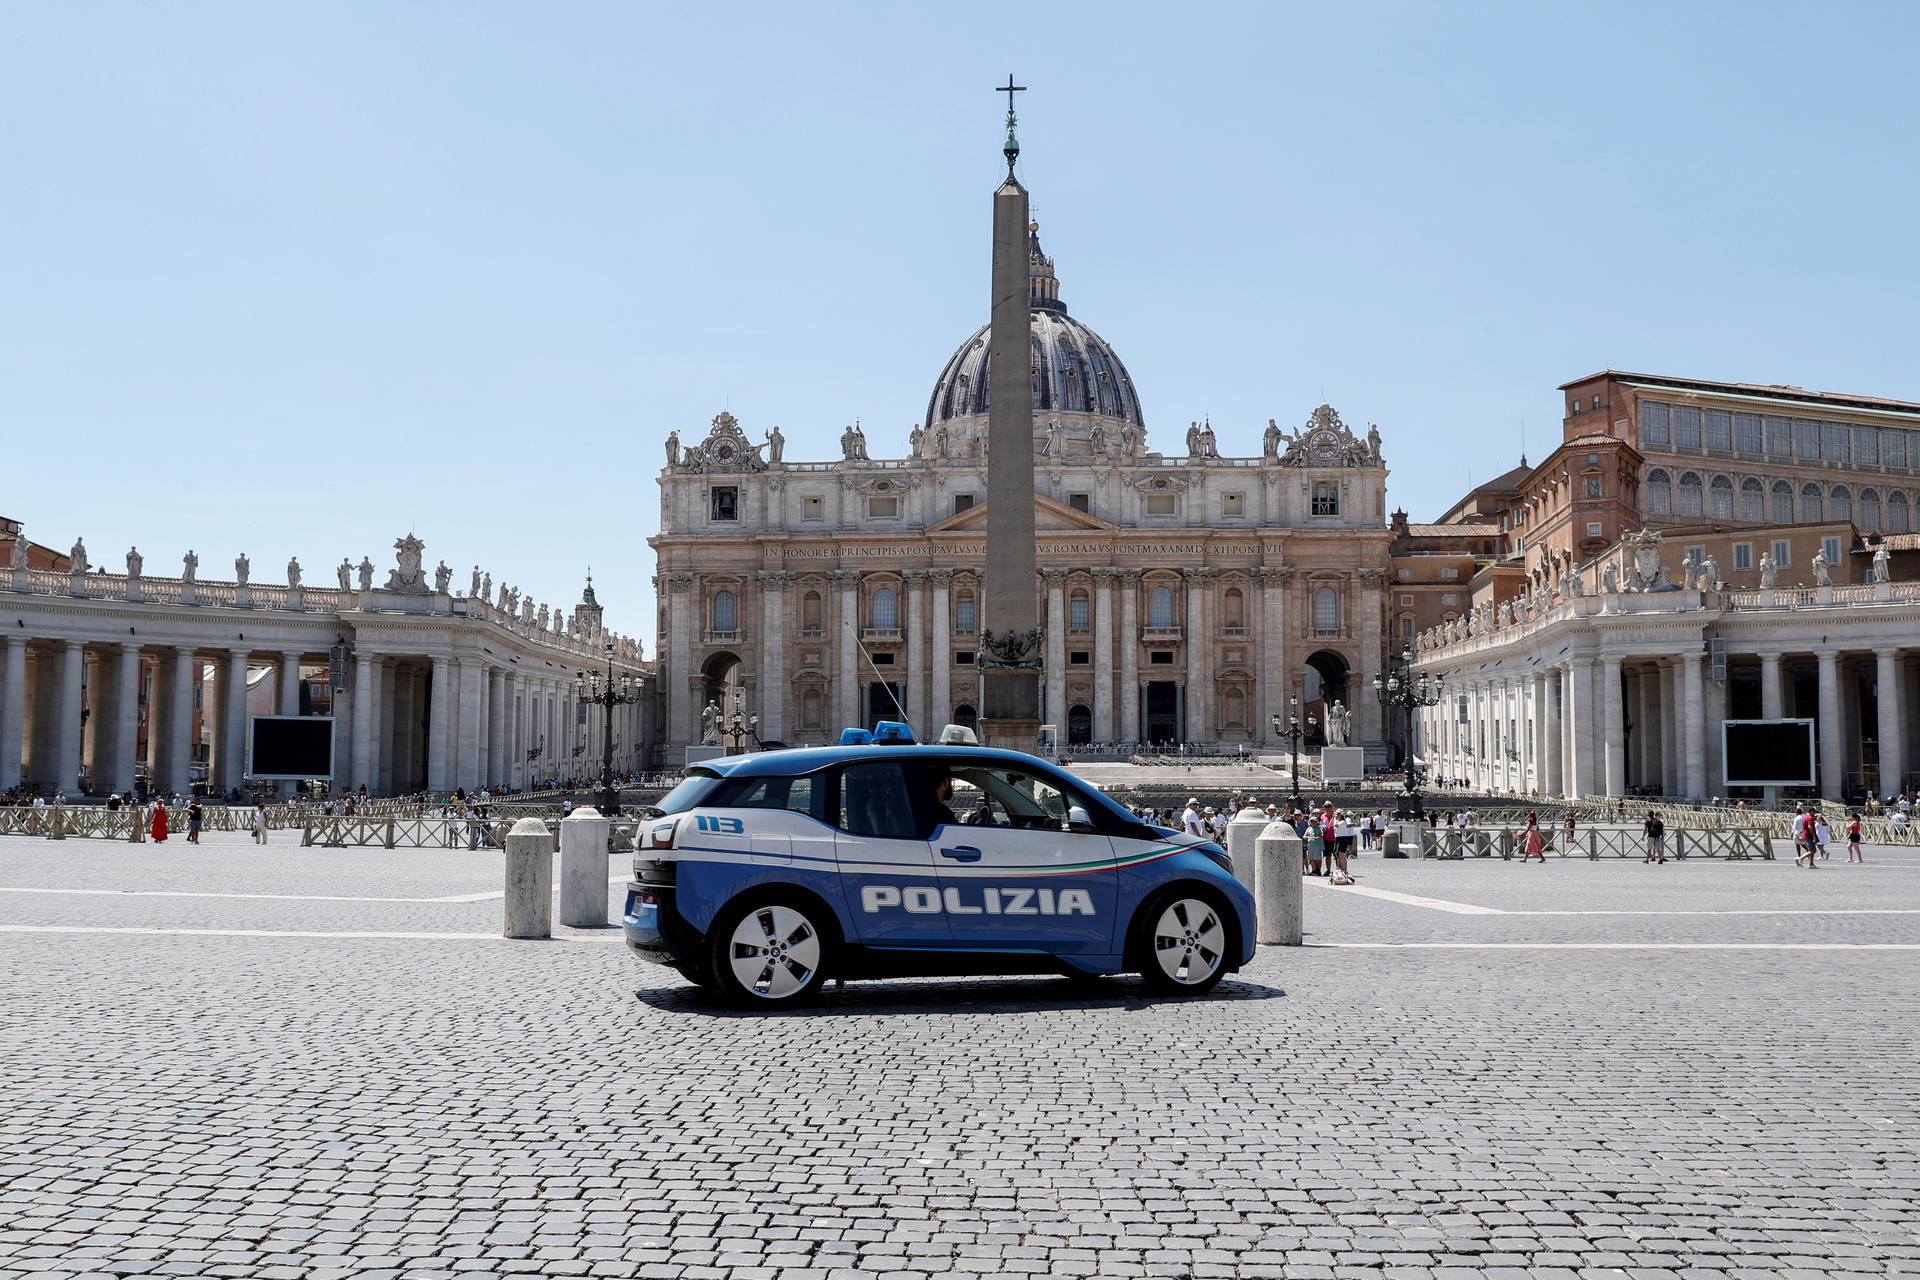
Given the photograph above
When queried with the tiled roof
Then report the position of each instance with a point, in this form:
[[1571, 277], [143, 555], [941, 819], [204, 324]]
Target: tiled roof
[[1778, 390], [1453, 531]]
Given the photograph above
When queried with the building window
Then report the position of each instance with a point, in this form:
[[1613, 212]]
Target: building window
[[963, 657], [811, 508], [1866, 446], [1834, 438], [1162, 504], [1406, 626], [1779, 437], [1696, 554], [1160, 607], [1686, 426], [1831, 548], [1718, 427], [1326, 498], [1810, 503], [1326, 609], [962, 502], [1747, 437], [887, 508], [1806, 439], [1596, 402], [1659, 492], [1720, 498], [726, 502], [1654, 419], [1234, 606], [1782, 502], [1078, 501], [1753, 500], [881, 658], [963, 612], [810, 611], [886, 615], [1078, 658], [1868, 517], [723, 611], [1593, 529], [1451, 571], [1405, 575], [1160, 657], [1782, 553], [1893, 447], [1077, 612], [1840, 503], [1897, 512], [811, 709], [1450, 597], [1233, 505], [1690, 494], [1742, 556]]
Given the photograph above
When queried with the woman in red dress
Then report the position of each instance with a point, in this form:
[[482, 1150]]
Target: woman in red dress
[[159, 822]]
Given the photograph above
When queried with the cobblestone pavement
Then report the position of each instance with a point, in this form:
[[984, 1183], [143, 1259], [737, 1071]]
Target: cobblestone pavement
[[1466, 1073]]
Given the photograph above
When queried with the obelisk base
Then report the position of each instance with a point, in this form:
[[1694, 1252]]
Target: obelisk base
[[1010, 709]]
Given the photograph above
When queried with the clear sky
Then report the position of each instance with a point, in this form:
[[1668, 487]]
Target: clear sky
[[297, 279]]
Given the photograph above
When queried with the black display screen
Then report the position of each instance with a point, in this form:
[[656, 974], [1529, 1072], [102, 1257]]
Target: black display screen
[[1775, 753], [292, 747]]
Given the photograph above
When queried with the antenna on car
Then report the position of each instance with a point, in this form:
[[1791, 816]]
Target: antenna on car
[[884, 684]]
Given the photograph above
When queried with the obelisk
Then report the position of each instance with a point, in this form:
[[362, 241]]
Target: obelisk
[[1010, 653]]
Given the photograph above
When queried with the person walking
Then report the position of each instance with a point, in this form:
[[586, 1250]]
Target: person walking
[[195, 816], [1853, 840], [1533, 845], [159, 828], [1803, 844], [259, 824], [1656, 833], [1822, 836], [1192, 824]]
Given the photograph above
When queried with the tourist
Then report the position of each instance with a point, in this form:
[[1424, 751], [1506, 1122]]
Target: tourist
[[1656, 833], [1822, 836], [159, 828], [259, 824], [1853, 839], [1803, 843], [1192, 824], [195, 816], [1533, 845]]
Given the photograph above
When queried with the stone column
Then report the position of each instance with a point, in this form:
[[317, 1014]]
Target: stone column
[[360, 765], [69, 663], [683, 716], [1364, 623], [1770, 703], [1583, 733], [466, 770], [1198, 726], [1671, 736], [13, 711], [483, 727], [177, 777], [1129, 639], [1055, 581], [1615, 726], [236, 720], [1833, 748], [1274, 685], [1892, 727], [773, 654], [940, 701], [916, 699], [1551, 781], [387, 746], [846, 684], [126, 725], [1103, 579], [439, 705], [102, 705], [287, 690], [497, 726], [1693, 726]]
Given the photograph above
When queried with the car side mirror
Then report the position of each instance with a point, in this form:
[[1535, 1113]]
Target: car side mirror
[[1079, 819]]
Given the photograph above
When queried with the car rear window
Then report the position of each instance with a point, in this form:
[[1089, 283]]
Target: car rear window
[[875, 801]]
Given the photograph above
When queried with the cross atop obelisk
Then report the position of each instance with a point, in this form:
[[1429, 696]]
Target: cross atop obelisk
[[1010, 649]]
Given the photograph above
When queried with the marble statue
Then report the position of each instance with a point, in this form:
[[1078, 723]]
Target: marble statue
[[1821, 578], [1506, 613], [79, 555], [1609, 579], [134, 562], [345, 572], [1373, 442], [1689, 572], [241, 568], [1882, 564], [1056, 443], [501, 602], [293, 572], [366, 573], [940, 441], [1097, 440], [526, 611], [710, 725], [914, 438], [441, 577], [486, 587], [1193, 439], [1128, 435], [20, 549], [776, 445], [189, 565], [1709, 574], [473, 588], [673, 448], [1339, 721], [853, 444], [1767, 570], [1270, 440]]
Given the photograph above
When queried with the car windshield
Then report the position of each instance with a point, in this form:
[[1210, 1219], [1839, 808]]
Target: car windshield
[[691, 791]]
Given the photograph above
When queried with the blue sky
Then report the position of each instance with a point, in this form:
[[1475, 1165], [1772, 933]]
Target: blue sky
[[285, 279]]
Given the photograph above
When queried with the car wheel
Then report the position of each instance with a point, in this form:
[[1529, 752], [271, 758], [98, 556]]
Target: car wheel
[[1184, 941], [772, 950]]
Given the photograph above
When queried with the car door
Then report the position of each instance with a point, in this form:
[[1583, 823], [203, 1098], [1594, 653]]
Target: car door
[[887, 877], [1014, 873]]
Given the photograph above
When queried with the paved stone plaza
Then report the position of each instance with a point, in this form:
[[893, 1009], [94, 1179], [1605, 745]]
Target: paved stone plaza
[[298, 1062]]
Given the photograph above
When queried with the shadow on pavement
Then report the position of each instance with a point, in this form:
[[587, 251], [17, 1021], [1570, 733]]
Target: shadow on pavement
[[961, 996]]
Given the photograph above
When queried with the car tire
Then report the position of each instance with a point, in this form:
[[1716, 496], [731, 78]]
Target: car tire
[[773, 948], [1183, 940]]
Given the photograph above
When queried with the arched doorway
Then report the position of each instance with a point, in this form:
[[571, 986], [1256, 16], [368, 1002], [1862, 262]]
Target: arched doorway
[[1079, 725], [1323, 683], [964, 714], [724, 677]]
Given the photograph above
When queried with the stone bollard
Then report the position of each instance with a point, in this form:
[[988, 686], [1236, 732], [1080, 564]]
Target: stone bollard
[[529, 880], [138, 833], [57, 820], [1390, 844], [583, 868], [1242, 833], [1278, 889]]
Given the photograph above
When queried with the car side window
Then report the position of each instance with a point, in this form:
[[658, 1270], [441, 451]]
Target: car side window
[[876, 800], [993, 795], [802, 794]]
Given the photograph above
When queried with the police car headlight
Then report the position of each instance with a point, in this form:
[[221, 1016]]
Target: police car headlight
[[1219, 855]]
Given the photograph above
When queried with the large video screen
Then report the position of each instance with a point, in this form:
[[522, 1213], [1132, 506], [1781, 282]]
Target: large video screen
[[1768, 753], [292, 747]]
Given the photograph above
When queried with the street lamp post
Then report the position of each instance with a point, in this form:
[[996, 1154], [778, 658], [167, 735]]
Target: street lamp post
[[1291, 731], [1398, 688], [619, 692], [741, 725]]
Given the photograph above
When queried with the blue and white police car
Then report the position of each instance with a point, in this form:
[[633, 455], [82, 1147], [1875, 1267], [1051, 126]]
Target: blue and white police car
[[762, 876]]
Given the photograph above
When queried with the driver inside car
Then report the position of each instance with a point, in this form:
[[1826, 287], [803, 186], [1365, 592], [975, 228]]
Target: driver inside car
[[942, 794]]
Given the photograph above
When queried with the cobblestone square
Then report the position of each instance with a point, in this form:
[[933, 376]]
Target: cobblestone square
[[230, 1061]]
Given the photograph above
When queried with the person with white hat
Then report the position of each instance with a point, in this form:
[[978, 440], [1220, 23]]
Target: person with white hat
[[1191, 822]]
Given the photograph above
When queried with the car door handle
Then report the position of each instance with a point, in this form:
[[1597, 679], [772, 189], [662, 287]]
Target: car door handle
[[965, 853]]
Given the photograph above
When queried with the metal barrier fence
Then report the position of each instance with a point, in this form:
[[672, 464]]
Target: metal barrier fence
[[1596, 842], [441, 833]]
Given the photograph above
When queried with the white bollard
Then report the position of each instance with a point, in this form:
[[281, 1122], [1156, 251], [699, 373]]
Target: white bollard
[[583, 868], [1242, 831], [529, 880], [1278, 889]]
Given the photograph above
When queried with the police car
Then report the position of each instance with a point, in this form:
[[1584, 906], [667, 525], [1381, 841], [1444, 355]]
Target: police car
[[762, 876]]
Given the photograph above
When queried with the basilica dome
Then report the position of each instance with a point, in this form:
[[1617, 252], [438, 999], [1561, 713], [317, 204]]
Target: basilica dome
[[1078, 381]]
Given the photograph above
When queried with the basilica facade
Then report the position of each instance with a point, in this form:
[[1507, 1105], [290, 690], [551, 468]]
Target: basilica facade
[[1188, 594]]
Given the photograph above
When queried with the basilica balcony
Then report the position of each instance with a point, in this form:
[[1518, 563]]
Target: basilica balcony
[[880, 633], [720, 637], [1165, 635], [1330, 633]]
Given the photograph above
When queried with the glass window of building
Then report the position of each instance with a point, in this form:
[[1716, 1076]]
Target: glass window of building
[[1686, 426], [1233, 505], [879, 508], [1326, 609], [1742, 556], [811, 507], [1868, 517], [810, 611], [1690, 504], [963, 612], [1782, 502], [723, 612], [886, 615], [1160, 607], [1720, 498], [1162, 504], [1753, 500], [1898, 513], [1326, 498], [1782, 553], [1659, 492], [1811, 504], [1840, 503], [962, 502], [1830, 547], [1747, 436], [1234, 607], [1779, 437], [1866, 446], [1078, 501], [1893, 448], [1078, 612], [1806, 439], [1717, 424], [1654, 420], [1834, 438]]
